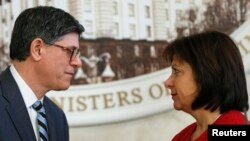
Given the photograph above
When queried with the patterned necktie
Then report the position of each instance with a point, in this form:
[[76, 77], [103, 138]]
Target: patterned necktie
[[41, 120]]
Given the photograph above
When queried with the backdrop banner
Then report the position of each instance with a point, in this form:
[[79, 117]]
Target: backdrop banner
[[115, 101], [132, 98]]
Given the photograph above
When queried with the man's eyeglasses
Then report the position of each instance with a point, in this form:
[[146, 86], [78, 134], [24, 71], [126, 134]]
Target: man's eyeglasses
[[72, 51]]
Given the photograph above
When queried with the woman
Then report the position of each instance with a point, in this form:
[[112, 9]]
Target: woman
[[207, 81]]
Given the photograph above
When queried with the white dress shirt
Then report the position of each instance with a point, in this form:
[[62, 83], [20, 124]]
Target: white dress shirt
[[29, 98]]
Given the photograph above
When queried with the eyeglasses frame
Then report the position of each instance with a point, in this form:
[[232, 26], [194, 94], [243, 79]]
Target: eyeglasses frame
[[74, 51]]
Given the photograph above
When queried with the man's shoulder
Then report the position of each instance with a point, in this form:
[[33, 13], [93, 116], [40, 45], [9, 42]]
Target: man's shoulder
[[49, 104], [5, 73]]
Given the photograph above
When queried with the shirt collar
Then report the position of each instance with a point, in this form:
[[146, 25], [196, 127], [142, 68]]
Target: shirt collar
[[28, 95]]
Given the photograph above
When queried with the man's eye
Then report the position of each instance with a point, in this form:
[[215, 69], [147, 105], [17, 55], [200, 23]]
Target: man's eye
[[70, 50]]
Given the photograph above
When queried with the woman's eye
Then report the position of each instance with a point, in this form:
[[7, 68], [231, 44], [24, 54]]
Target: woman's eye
[[175, 71]]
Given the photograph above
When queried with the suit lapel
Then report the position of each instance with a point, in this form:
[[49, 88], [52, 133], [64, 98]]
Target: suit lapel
[[21, 120], [16, 107], [50, 120]]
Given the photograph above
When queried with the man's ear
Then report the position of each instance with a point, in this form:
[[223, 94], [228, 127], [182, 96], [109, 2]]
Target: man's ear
[[36, 49]]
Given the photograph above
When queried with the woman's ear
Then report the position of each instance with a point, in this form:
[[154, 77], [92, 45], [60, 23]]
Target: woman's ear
[[36, 48]]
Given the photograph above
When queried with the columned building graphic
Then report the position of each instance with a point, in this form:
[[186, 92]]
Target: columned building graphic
[[141, 27]]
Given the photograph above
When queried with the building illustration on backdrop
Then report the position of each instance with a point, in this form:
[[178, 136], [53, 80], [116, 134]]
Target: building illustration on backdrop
[[123, 38]]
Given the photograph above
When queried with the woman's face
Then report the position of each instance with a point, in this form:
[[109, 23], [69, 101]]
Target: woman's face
[[182, 85]]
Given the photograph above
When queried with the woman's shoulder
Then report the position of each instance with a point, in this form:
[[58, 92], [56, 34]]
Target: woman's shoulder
[[186, 133], [231, 117]]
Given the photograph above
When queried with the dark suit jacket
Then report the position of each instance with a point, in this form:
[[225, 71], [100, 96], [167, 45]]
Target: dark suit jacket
[[15, 124]]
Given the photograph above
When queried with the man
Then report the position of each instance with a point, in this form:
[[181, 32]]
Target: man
[[44, 50]]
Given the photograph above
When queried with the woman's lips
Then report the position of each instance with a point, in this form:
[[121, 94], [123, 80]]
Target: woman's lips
[[173, 95]]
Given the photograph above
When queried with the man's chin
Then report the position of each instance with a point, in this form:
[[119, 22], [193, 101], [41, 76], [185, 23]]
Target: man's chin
[[62, 88]]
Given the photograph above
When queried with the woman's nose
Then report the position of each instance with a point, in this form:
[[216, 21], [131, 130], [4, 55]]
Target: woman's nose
[[168, 82]]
